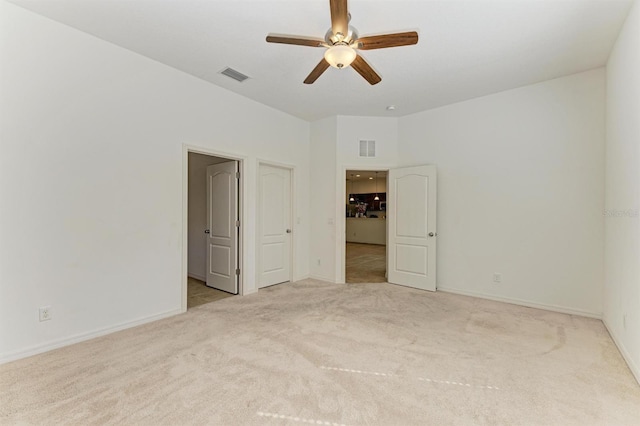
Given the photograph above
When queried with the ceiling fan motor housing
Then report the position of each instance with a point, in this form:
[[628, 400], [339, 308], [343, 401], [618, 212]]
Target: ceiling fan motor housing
[[333, 39]]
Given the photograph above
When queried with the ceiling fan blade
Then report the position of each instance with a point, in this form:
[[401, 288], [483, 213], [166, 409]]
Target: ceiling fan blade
[[317, 72], [387, 40], [339, 17], [364, 69], [299, 41]]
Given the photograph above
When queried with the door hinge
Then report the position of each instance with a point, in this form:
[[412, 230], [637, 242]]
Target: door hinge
[[237, 224], [238, 271], [237, 175]]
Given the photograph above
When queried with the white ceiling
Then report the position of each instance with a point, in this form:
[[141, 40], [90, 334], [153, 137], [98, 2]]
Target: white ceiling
[[466, 49]]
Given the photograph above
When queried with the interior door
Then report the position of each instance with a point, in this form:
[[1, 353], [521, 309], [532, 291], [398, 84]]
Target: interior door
[[274, 225], [411, 212], [222, 235]]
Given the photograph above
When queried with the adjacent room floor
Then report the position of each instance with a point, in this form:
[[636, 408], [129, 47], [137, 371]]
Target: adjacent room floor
[[365, 263], [198, 293], [332, 354]]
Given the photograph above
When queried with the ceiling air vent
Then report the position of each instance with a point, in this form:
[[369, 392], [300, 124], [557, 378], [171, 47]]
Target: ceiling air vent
[[231, 73], [367, 148]]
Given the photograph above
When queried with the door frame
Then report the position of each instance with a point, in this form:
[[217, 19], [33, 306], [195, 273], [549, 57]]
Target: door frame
[[186, 149], [341, 221], [294, 218]]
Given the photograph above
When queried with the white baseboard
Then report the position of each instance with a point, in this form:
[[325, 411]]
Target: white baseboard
[[553, 308], [59, 343], [197, 277], [635, 370], [323, 278], [300, 278], [249, 291]]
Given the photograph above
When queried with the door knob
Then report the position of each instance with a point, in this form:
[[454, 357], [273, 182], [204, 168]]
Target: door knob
[[206, 231], [431, 234], [288, 231]]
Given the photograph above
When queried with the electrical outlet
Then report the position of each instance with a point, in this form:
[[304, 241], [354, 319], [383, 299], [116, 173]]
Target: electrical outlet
[[45, 313], [318, 262], [497, 277]]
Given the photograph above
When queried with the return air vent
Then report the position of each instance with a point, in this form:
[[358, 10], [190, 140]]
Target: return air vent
[[231, 73], [367, 148]]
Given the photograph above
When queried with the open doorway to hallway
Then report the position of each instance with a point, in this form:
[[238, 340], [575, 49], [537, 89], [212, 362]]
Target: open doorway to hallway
[[212, 231], [366, 226]]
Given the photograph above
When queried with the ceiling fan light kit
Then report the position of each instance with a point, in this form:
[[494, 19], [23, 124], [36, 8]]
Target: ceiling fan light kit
[[340, 56], [342, 41]]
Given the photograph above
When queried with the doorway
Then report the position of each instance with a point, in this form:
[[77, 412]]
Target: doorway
[[213, 206], [366, 226], [410, 214]]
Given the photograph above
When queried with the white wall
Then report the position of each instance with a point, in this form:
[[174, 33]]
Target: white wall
[[334, 149], [91, 180], [197, 211], [350, 130], [520, 191], [622, 228], [323, 182]]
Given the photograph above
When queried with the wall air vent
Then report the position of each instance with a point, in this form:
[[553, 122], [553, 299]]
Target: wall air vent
[[367, 148], [231, 73]]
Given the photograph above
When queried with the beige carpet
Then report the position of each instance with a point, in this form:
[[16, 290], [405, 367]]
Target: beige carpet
[[311, 352]]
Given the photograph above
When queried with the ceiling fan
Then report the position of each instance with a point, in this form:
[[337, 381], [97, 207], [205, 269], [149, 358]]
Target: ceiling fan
[[342, 41]]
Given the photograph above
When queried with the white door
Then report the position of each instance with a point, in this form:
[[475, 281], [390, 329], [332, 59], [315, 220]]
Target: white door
[[411, 212], [222, 235], [274, 225]]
